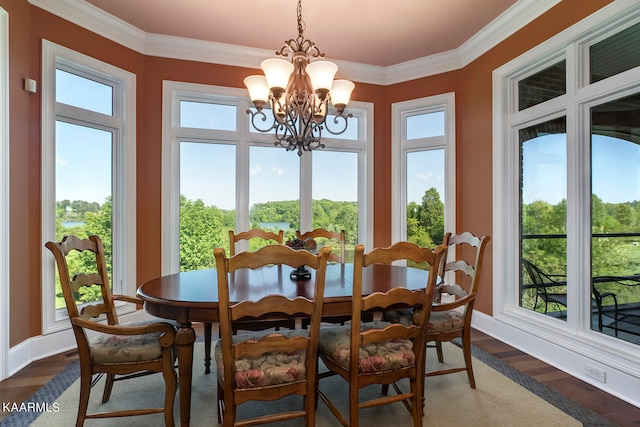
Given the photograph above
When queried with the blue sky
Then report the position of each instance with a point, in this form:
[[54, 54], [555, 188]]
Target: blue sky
[[615, 174], [275, 171]]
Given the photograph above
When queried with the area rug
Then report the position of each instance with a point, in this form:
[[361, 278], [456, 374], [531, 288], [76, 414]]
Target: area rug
[[503, 397]]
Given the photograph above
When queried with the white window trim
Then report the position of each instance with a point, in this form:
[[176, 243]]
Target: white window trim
[[401, 146], [569, 343], [124, 179], [173, 91], [4, 196]]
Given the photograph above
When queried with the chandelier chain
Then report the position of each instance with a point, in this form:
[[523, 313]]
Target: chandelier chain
[[301, 24]]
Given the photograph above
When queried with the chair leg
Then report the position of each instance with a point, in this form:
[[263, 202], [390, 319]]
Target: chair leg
[[466, 349], [170, 385], [220, 402], [416, 401], [439, 351], [207, 347], [229, 417], [353, 405], [85, 389], [108, 386], [309, 402]]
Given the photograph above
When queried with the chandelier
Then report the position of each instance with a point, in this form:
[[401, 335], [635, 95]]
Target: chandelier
[[298, 92]]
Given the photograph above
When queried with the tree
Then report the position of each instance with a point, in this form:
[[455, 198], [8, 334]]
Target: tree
[[432, 215], [200, 233]]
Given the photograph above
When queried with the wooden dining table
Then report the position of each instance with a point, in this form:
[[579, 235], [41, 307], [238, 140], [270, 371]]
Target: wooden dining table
[[193, 297]]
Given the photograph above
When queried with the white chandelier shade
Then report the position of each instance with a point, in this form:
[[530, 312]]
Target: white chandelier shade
[[321, 74], [277, 72]]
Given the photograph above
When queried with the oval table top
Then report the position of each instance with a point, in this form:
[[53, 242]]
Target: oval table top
[[199, 288]]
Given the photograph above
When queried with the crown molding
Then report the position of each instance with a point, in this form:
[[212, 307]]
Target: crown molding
[[423, 67], [96, 20], [93, 19], [502, 27]]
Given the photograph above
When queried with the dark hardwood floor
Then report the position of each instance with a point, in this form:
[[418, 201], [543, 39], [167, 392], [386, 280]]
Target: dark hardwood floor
[[26, 382]]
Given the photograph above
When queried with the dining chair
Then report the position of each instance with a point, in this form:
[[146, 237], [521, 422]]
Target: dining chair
[[324, 234], [255, 233], [268, 365], [120, 351], [263, 236], [365, 353], [452, 319]]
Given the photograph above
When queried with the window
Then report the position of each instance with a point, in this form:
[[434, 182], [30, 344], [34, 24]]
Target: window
[[220, 174], [4, 192], [88, 160], [423, 169], [335, 195], [567, 185], [543, 219]]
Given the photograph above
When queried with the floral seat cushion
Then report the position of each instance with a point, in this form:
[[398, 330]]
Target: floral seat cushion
[[335, 342], [108, 348], [268, 369], [439, 321]]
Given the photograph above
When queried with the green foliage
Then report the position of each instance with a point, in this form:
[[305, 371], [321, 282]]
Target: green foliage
[[201, 231], [425, 222], [610, 256], [92, 218], [287, 211], [203, 228]]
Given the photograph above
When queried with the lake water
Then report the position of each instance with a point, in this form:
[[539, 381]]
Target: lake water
[[70, 224], [277, 225]]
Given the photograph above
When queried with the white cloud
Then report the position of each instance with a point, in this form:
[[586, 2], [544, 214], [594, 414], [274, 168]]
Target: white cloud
[[425, 176]]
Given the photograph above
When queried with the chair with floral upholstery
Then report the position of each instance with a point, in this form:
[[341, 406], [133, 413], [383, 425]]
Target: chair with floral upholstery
[[267, 365], [452, 319], [262, 236], [365, 353], [120, 351]]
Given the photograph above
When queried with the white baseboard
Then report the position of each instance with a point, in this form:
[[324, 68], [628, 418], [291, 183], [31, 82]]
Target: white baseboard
[[572, 357]]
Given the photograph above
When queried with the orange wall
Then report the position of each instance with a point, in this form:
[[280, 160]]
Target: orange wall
[[28, 25]]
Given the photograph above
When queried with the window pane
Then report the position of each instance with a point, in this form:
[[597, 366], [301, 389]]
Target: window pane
[[542, 86], [616, 54], [83, 191], [335, 196], [615, 217], [425, 197], [207, 201], [203, 115], [84, 93], [425, 125], [543, 217], [274, 189]]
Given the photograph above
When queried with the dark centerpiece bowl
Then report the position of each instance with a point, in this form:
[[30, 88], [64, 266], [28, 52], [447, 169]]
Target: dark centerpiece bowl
[[302, 272]]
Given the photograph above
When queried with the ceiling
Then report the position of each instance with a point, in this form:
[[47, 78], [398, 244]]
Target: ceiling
[[362, 31]]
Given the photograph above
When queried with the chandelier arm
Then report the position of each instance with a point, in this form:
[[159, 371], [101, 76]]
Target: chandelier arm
[[336, 121], [262, 117]]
